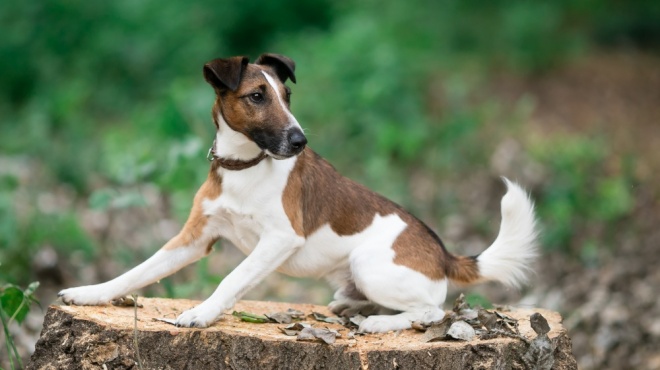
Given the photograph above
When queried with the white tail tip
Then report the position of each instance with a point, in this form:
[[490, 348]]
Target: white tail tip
[[509, 258]]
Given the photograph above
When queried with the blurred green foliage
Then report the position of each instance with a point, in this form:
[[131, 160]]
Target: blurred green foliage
[[582, 193], [15, 303], [100, 98]]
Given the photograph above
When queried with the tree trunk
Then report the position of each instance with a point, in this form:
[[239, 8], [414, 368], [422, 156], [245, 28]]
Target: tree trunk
[[83, 337]]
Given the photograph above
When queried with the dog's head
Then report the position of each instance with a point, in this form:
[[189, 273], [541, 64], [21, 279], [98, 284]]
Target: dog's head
[[252, 99]]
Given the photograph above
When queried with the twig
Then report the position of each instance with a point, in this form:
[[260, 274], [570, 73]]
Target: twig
[[135, 335], [9, 342]]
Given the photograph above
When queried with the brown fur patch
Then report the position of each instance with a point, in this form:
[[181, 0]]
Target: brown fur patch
[[317, 194], [418, 249], [463, 269], [192, 229]]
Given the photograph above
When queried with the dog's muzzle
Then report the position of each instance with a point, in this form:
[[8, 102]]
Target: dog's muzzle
[[282, 144]]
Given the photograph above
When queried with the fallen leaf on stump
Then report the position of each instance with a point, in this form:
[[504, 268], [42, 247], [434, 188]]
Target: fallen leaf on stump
[[420, 326], [331, 320], [169, 321], [539, 324], [356, 320], [127, 301], [539, 354], [461, 330], [280, 317], [251, 317], [328, 336], [487, 319], [294, 328], [437, 330]]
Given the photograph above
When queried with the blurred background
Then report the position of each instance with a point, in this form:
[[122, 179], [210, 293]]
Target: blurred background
[[105, 123]]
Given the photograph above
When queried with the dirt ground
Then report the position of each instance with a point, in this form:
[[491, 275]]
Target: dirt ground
[[611, 308]]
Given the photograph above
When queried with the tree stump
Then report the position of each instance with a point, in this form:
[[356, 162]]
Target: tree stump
[[86, 337]]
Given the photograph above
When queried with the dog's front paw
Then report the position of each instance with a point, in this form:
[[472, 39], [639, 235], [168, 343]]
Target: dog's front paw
[[90, 295], [201, 316]]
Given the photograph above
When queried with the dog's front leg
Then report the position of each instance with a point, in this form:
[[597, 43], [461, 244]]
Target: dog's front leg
[[162, 264], [272, 250], [192, 243]]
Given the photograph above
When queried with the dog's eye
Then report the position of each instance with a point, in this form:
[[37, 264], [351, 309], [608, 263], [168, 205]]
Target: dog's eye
[[257, 97]]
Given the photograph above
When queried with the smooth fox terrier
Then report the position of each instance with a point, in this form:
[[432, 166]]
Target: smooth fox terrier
[[289, 210]]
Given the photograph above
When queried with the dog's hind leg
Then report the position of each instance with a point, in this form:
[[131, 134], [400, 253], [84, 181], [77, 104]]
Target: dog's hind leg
[[349, 301], [396, 287], [192, 243]]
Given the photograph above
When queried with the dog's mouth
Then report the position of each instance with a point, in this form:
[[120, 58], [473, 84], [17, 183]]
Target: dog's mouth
[[275, 156]]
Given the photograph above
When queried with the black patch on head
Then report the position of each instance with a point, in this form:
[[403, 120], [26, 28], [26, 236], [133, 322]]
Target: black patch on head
[[284, 67]]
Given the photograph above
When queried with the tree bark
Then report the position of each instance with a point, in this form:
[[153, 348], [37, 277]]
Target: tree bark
[[83, 337]]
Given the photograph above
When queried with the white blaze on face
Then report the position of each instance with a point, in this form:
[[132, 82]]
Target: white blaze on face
[[292, 120]]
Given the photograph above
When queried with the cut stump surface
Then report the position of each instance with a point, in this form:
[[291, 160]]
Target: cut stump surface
[[102, 337]]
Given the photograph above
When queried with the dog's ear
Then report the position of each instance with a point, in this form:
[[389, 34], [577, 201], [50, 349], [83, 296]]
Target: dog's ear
[[225, 73], [283, 66]]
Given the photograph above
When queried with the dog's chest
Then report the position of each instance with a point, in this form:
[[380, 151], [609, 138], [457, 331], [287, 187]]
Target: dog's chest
[[250, 204]]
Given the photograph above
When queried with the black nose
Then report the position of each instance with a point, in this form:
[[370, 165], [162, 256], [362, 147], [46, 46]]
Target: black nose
[[296, 139]]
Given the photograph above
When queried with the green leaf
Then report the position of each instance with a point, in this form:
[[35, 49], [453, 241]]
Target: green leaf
[[16, 302], [251, 317], [11, 300]]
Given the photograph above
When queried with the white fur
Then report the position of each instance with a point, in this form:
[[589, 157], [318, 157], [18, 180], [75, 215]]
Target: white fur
[[233, 144], [293, 122], [508, 259], [162, 264]]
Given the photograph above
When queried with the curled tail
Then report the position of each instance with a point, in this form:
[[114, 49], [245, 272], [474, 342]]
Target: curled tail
[[508, 259]]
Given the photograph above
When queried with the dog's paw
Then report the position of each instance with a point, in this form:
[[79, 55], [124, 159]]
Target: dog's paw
[[350, 308], [201, 316], [383, 324], [339, 306], [90, 295]]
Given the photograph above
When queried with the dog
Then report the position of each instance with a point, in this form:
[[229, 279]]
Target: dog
[[290, 211]]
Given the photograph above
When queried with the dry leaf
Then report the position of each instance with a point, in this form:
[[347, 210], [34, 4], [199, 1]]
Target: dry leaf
[[280, 317], [326, 335], [437, 330], [331, 320], [539, 324], [461, 330], [487, 319], [419, 326], [169, 321], [127, 301], [460, 304], [294, 328], [357, 320], [539, 355], [295, 314]]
